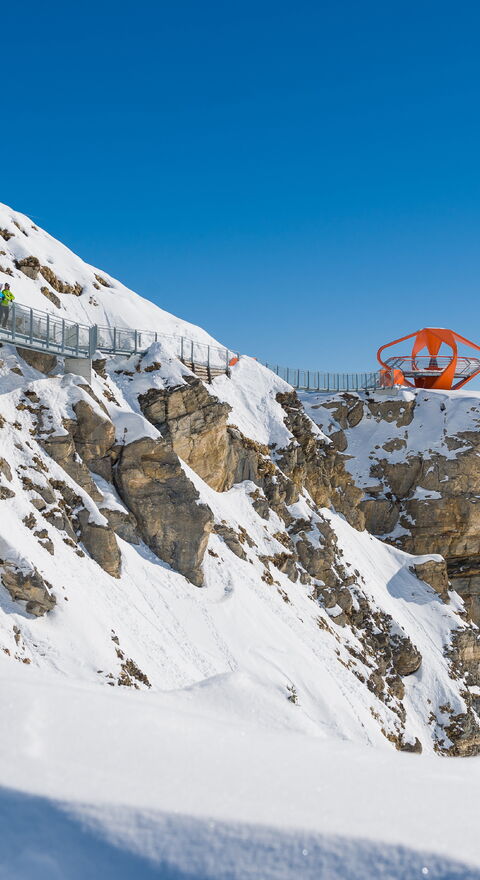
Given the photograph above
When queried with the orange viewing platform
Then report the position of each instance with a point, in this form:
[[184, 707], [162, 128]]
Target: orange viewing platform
[[431, 369]]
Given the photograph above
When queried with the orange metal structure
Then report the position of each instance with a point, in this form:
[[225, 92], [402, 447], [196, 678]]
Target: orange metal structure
[[431, 370]]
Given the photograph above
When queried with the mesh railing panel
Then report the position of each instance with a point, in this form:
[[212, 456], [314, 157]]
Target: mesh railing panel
[[315, 380], [34, 328]]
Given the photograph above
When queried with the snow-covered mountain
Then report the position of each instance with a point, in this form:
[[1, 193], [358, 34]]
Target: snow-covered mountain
[[48, 268], [184, 564]]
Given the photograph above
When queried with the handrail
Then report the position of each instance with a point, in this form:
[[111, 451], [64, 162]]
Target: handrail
[[41, 331]]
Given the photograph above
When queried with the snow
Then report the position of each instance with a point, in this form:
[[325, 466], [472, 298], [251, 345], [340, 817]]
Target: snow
[[182, 790], [251, 393], [212, 772]]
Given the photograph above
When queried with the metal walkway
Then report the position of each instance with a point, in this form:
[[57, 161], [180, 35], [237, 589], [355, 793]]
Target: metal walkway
[[43, 332]]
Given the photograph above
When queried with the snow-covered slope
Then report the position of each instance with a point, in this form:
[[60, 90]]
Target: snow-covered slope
[[103, 300], [306, 634]]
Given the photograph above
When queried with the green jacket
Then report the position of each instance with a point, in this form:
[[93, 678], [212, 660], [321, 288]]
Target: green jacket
[[6, 297]]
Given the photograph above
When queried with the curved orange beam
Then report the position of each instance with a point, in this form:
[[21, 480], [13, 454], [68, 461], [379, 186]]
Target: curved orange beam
[[432, 338]]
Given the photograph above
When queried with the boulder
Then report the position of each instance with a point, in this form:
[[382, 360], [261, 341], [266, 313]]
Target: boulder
[[434, 573], [40, 361], [101, 543], [151, 482], [30, 266], [28, 586]]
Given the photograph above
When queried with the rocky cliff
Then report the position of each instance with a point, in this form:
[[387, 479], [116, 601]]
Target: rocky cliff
[[159, 531], [415, 457]]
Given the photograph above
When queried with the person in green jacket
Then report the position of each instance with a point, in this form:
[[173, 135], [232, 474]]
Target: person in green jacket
[[6, 298]]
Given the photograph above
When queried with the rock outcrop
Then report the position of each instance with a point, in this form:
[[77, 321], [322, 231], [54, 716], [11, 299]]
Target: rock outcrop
[[40, 361], [27, 586], [419, 476], [195, 424], [151, 482]]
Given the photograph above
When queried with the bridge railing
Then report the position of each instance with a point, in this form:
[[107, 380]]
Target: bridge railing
[[33, 328], [42, 331], [315, 380], [118, 340]]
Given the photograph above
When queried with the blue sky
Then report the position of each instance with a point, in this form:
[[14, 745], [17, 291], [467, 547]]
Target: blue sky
[[300, 179]]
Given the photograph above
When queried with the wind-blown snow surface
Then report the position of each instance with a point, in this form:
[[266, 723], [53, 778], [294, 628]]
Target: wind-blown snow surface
[[213, 772]]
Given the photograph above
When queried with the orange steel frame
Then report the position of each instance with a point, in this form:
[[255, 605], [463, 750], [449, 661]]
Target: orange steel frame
[[430, 338]]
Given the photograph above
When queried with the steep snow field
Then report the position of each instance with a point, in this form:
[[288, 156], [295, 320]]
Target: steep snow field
[[183, 785], [214, 771]]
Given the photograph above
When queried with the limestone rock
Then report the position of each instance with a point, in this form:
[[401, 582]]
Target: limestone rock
[[40, 361], [6, 470], [51, 296], [423, 500], [123, 524], [94, 436], [101, 544], [29, 587], [30, 266], [434, 572], [57, 284], [231, 539], [62, 449], [406, 658], [314, 464], [195, 423], [151, 482]]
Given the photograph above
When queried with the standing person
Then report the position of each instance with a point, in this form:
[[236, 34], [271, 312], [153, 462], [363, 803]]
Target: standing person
[[7, 297]]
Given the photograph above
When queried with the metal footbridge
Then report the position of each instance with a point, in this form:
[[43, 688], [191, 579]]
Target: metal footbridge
[[41, 331]]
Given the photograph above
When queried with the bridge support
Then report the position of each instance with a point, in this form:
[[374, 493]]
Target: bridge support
[[80, 366]]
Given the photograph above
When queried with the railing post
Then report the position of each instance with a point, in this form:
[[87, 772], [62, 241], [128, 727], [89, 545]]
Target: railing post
[[227, 362], [114, 339], [92, 340], [78, 339], [191, 353], [14, 320], [31, 327], [63, 334], [181, 349], [48, 331], [209, 374], [135, 341]]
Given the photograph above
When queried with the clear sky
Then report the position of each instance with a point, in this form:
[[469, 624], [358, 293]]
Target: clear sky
[[301, 179]]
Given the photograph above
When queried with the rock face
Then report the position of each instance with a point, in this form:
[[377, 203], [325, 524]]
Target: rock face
[[195, 424], [151, 482], [101, 544], [61, 448], [418, 470], [29, 587], [44, 363], [94, 438], [312, 464], [434, 572]]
